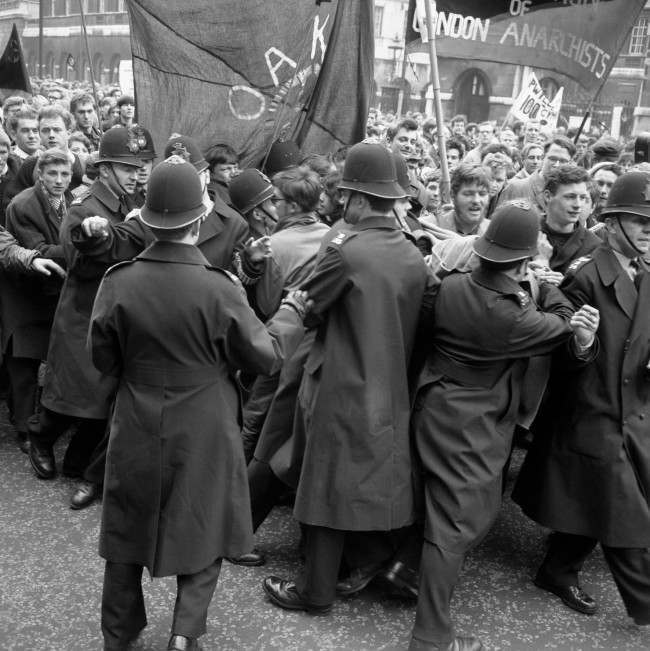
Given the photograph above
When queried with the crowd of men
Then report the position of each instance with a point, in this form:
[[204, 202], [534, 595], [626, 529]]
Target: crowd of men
[[328, 328]]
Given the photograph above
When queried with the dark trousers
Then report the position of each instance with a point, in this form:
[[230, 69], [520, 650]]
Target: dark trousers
[[89, 432], [123, 614], [630, 569], [439, 571], [23, 383], [265, 489], [324, 551]]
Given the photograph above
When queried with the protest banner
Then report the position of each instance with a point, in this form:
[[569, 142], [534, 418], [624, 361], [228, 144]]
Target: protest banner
[[532, 104], [247, 73], [13, 69], [577, 38]]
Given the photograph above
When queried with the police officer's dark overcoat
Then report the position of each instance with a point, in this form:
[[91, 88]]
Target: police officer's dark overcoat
[[73, 386], [173, 330], [486, 327], [589, 472], [367, 291]]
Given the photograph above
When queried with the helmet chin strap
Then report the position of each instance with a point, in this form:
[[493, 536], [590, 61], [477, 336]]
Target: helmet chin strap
[[627, 237], [117, 181]]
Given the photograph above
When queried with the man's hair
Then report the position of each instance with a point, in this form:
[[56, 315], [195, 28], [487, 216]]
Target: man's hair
[[379, 204], [531, 145], [608, 166], [53, 111], [80, 99], [487, 124], [565, 175], [468, 174], [317, 163], [300, 185], [594, 191], [495, 148], [560, 141], [25, 113], [52, 157], [221, 154], [12, 100], [459, 118], [79, 137], [454, 143], [406, 123]]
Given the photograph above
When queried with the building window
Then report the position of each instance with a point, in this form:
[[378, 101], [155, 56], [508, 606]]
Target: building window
[[639, 38], [59, 8], [92, 6], [379, 19], [112, 6], [47, 7]]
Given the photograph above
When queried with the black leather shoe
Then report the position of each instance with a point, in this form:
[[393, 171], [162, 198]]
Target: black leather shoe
[[252, 559], [457, 644], [42, 460], [358, 579], [182, 643], [87, 492], [284, 594], [403, 579], [573, 596]]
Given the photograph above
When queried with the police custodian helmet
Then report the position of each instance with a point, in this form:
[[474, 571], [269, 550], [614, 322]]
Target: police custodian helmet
[[370, 169], [174, 195], [121, 145], [512, 233], [249, 189], [630, 194]]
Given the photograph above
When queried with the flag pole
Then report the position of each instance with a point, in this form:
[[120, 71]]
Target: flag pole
[[445, 193], [90, 61]]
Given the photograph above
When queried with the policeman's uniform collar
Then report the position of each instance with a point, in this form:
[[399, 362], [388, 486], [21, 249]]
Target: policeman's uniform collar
[[376, 221], [179, 252], [105, 195], [497, 281]]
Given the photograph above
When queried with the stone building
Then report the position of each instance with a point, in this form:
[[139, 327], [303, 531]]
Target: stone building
[[484, 90]]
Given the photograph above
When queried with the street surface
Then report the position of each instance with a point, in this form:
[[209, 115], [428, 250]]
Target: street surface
[[51, 578]]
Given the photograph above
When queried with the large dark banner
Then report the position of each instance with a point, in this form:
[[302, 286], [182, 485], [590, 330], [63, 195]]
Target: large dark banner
[[249, 72], [13, 69], [577, 38]]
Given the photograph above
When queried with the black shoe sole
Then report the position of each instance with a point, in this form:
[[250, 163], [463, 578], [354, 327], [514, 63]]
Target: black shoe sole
[[313, 610], [557, 591], [234, 561], [40, 473]]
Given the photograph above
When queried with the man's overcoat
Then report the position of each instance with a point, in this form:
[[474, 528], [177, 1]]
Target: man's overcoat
[[589, 470], [73, 386], [368, 292], [173, 330]]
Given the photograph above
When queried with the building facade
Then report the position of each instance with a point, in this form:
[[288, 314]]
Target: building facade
[[64, 51], [483, 90]]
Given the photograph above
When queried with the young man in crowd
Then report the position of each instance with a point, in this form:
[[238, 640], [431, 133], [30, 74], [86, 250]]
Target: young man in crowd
[[587, 477], [557, 151]]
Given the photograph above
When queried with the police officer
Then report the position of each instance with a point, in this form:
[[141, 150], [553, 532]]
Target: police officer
[[74, 391], [486, 326], [176, 497], [367, 291], [589, 476]]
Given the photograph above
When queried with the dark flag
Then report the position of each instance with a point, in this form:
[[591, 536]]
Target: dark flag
[[248, 73], [13, 70], [579, 39]]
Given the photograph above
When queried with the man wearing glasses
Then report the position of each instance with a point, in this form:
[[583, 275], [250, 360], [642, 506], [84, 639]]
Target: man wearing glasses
[[557, 151]]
